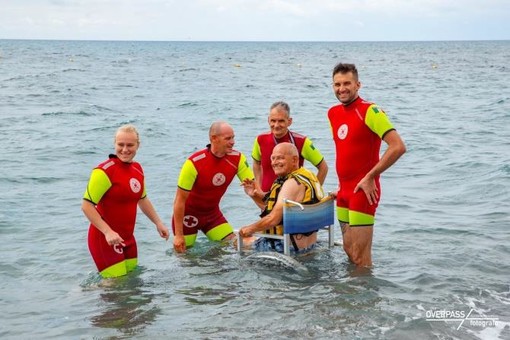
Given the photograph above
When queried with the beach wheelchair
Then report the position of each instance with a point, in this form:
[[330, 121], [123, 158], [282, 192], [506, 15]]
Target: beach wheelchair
[[301, 218]]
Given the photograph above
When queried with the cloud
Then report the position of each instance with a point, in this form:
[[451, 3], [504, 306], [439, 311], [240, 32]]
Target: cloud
[[254, 19], [317, 7]]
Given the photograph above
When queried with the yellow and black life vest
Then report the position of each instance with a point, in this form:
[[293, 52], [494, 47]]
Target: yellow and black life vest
[[313, 193]]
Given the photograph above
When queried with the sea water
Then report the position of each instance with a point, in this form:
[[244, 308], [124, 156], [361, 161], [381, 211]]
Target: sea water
[[441, 241]]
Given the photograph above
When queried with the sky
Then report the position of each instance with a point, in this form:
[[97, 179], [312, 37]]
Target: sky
[[256, 20]]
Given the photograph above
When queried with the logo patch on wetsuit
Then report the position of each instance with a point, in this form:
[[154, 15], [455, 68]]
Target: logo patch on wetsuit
[[135, 185], [118, 249], [190, 221], [218, 179], [342, 131]]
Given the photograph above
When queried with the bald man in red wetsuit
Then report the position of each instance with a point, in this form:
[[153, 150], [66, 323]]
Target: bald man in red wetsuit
[[203, 180]]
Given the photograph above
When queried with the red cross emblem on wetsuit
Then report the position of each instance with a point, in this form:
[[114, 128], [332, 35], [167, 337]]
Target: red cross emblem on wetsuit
[[190, 221], [218, 179], [135, 185], [342, 131]]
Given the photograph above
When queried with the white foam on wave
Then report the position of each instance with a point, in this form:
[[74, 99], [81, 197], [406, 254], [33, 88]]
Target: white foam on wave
[[277, 259]]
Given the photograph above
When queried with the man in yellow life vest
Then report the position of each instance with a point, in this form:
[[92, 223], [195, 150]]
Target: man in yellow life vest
[[293, 183]]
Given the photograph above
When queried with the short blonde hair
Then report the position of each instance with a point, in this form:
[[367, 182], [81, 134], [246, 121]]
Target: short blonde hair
[[127, 128]]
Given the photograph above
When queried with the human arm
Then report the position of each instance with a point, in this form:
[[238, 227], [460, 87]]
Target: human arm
[[292, 190], [256, 155], [185, 183], [251, 186], [181, 196], [99, 183], [322, 172], [90, 211], [396, 148], [257, 172], [314, 156], [148, 209], [252, 189]]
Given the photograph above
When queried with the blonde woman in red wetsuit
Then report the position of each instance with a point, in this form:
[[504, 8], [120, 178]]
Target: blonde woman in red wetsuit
[[358, 127], [115, 189]]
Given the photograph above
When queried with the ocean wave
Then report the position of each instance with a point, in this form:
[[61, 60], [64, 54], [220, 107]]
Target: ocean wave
[[438, 231], [66, 70], [68, 113], [440, 238], [188, 104]]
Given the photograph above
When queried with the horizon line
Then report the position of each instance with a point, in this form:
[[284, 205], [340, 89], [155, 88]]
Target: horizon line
[[254, 41]]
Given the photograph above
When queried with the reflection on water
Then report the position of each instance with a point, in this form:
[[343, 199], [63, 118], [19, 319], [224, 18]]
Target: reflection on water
[[270, 295], [356, 271], [205, 295], [276, 260], [125, 305]]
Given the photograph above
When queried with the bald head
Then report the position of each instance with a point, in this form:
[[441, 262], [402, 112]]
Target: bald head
[[284, 159], [287, 149], [221, 135], [218, 128]]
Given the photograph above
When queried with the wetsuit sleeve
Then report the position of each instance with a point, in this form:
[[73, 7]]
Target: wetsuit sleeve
[[144, 189], [377, 121], [98, 185], [330, 125], [255, 152], [243, 169], [310, 153], [187, 176]]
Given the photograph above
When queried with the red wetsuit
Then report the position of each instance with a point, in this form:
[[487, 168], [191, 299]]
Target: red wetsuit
[[358, 129], [115, 188], [263, 148], [207, 177]]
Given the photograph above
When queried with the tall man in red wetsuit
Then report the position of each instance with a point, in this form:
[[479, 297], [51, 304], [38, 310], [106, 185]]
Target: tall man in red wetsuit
[[358, 127], [279, 121], [204, 178]]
